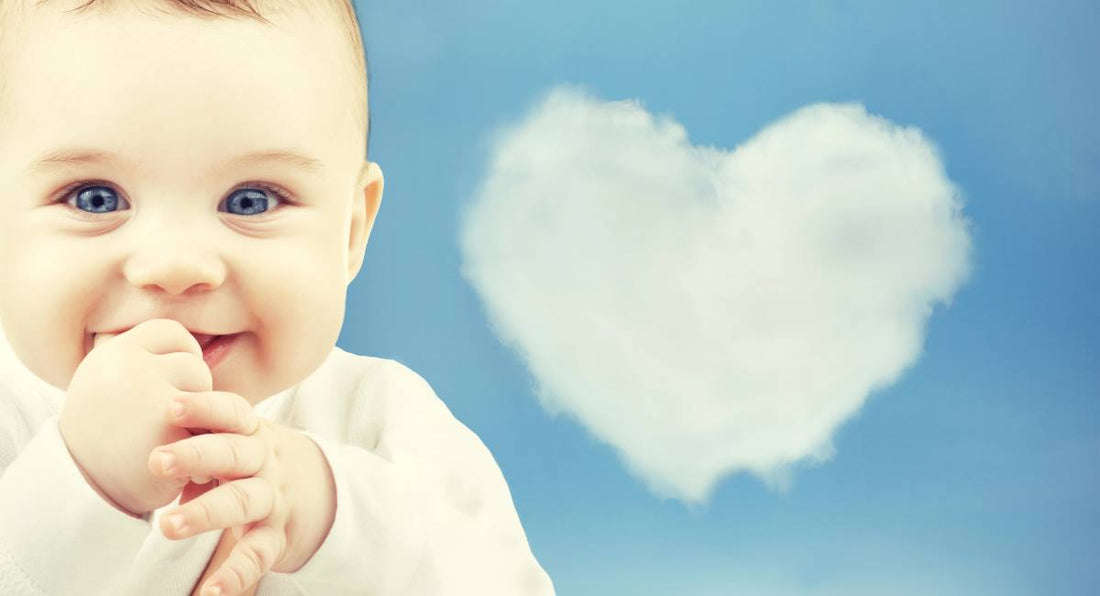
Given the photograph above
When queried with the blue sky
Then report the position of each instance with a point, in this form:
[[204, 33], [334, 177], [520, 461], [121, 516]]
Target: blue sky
[[974, 472]]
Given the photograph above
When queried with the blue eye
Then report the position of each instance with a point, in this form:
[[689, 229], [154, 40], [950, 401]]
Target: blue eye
[[251, 200], [96, 199], [93, 199]]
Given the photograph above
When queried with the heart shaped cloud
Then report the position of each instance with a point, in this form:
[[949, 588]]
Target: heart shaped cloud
[[705, 311]]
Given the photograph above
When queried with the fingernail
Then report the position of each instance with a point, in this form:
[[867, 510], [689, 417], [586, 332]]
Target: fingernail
[[177, 522], [213, 591], [178, 409], [167, 462]]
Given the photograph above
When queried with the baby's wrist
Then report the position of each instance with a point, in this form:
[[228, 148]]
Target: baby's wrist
[[316, 511], [103, 494], [96, 487]]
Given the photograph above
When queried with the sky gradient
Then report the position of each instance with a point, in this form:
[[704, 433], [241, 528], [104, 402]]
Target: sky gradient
[[973, 473]]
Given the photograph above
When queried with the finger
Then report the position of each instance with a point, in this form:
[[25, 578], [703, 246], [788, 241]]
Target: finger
[[185, 371], [164, 336], [230, 504], [253, 555], [218, 411], [157, 336], [224, 456], [99, 338]]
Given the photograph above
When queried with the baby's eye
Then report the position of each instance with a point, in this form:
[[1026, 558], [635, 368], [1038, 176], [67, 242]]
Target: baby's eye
[[252, 201], [97, 199]]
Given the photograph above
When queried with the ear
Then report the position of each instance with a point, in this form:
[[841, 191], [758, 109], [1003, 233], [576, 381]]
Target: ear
[[364, 207]]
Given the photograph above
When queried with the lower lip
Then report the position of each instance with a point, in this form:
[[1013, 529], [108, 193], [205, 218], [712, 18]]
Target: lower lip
[[217, 350]]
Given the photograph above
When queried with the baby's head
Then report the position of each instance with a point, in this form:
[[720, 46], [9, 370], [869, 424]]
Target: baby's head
[[195, 160]]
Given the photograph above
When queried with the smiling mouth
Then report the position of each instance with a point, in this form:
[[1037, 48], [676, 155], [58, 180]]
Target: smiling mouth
[[215, 350], [205, 340]]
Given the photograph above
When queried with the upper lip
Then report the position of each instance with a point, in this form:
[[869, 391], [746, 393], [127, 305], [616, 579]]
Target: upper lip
[[121, 330]]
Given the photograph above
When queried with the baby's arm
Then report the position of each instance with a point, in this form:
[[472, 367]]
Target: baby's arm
[[408, 526], [74, 495], [425, 511], [57, 536]]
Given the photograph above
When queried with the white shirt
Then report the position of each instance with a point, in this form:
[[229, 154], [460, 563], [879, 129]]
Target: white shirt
[[421, 505]]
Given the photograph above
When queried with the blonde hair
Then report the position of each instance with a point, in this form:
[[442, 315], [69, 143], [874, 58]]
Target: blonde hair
[[344, 10]]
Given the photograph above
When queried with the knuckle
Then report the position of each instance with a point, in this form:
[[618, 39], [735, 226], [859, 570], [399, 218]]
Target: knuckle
[[192, 403], [205, 407], [185, 398], [205, 513], [197, 461], [261, 558], [237, 416], [280, 546], [248, 414], [269, 498], [233, 448], [180, 397], [240, 574], [239, 496], [264, 553], [251, 565]]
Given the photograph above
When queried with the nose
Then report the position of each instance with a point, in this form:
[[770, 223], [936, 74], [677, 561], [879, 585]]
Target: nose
[[175, 261]]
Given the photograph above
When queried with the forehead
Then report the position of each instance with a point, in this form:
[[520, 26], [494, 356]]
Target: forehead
[[163, 85]]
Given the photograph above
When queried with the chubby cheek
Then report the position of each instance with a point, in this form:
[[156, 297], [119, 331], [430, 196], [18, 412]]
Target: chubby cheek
[[44, 313], [296, 329], [48, 342]]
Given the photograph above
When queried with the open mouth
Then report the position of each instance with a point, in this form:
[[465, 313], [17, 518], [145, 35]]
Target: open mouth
[[205, 340], [215, 347]]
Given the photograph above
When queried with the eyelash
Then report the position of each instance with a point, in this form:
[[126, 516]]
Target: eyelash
[[64, 195]]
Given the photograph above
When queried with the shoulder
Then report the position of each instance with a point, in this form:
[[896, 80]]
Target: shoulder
[[26, 399], [368, 396], [380, 378], [398, 411], [404, 403]]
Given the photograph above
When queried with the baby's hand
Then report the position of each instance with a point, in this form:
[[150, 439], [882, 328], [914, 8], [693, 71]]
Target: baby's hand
[[275, 489], [113, 413]]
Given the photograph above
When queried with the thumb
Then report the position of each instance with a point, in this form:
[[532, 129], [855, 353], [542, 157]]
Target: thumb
[[102, 337]]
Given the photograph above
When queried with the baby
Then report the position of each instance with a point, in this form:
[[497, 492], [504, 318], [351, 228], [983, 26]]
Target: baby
[[186, 199]]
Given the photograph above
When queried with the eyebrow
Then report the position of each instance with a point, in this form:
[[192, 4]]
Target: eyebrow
[[75, 156]]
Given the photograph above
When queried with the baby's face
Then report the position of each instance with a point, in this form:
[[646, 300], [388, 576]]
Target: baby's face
[[160, 195]]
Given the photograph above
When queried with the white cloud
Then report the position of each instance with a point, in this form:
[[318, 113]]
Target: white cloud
[[703, 311]]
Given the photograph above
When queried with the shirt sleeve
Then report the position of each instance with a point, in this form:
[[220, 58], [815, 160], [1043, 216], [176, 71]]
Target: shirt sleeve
[[57, 535], [424, 512]]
